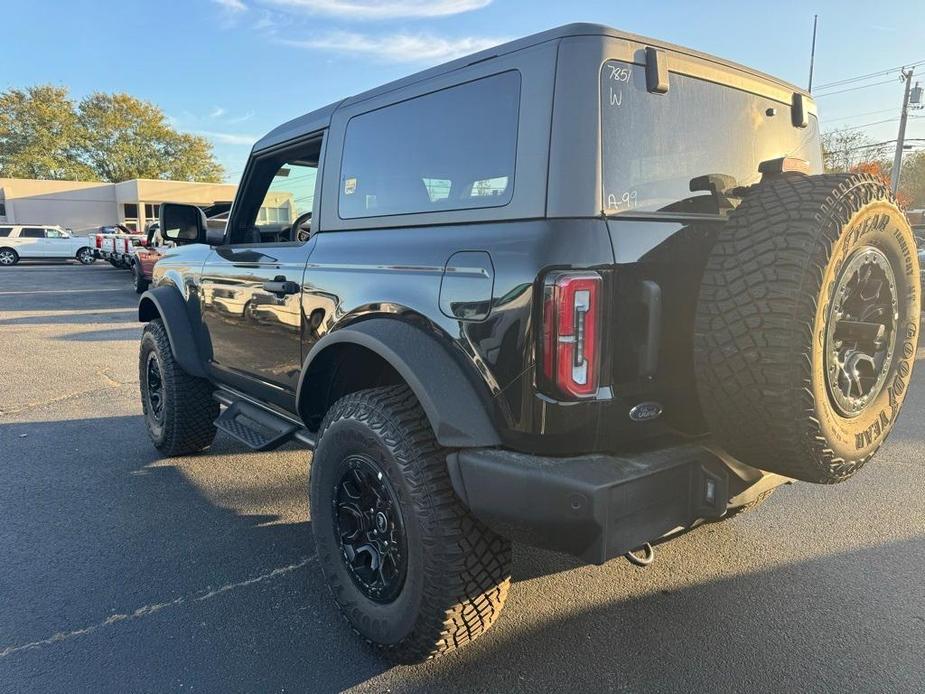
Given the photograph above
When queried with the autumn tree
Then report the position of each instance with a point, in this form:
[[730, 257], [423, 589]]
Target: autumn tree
[[39, 135], [844, 149], [104, 137]]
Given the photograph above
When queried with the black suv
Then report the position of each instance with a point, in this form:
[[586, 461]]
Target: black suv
[[584, 290]]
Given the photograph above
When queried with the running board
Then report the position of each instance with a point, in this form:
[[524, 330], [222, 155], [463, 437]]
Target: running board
[[256, 427]]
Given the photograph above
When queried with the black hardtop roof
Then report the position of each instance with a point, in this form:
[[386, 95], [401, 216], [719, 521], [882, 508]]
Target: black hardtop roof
[[321, 118]]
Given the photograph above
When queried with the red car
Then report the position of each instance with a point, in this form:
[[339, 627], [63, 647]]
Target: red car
[[145, 257]]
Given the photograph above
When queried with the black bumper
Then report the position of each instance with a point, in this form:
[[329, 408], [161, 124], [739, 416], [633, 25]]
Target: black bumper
[[596, 506]]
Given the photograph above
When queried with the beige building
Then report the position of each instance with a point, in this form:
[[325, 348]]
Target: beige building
[[85, 206]]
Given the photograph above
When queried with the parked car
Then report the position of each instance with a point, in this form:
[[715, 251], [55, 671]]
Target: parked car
[[585, 290], [116, 244], [42, 242], [146, 255]]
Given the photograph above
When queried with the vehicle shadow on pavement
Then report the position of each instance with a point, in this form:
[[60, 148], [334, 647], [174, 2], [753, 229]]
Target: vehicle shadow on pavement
[[131, 333], [800, 627], [120, 573], [122, 315]]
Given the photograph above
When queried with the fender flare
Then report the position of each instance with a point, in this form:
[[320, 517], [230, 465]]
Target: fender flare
[[168, 304], [458, 414]]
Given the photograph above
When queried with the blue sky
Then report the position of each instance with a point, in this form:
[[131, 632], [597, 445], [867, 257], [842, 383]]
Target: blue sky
[[233, 69]]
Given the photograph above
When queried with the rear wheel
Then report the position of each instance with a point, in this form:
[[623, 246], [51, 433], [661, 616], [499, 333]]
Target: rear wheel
[[8, 256], [179, 410], [85, 256], [411, 570], [807, 325]]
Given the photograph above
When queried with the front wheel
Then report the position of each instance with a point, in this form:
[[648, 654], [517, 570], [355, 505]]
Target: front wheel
[[138, 279], [413, 572], [179, 410], [8, 256], [85, 256]]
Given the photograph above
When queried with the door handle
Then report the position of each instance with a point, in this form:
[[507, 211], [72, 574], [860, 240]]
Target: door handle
[[281, 286]]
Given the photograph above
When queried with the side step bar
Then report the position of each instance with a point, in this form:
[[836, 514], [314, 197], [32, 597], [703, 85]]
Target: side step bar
[[258, 427]]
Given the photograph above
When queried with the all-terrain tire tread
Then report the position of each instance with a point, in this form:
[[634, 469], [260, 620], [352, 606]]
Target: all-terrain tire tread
[[467, 566], [189, 424], [754, 324]]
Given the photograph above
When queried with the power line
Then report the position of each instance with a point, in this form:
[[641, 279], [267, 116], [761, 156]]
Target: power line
[[849, 80], [859, 115], [851, 89], [868, 125]]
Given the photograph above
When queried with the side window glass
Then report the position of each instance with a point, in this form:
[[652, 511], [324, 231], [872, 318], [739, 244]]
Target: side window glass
[[32, 233], [280, 199], [452, 149], [5, 231], [53, 234]]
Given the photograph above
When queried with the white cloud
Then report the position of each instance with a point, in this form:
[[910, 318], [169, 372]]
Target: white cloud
[[231, 5], [240, 119], [228, 138], [217, 112], [382, 9], [398, 48]]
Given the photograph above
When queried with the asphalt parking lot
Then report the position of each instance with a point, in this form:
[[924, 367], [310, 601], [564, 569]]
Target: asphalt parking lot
[[123, 571]]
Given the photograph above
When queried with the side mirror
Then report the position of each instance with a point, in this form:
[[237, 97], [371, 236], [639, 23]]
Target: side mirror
[[182, 223]]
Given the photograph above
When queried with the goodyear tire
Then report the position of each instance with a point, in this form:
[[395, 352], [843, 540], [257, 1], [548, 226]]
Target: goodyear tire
[[179, 411], [807, 325], [411, 570]]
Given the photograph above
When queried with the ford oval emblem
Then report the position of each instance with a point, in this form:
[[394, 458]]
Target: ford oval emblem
[[645, 411]]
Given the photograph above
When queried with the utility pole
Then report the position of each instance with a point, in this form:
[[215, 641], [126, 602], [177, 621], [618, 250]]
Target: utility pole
[[901, 138], [812, 53]]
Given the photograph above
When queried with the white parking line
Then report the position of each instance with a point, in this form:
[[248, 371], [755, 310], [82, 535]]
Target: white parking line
[[146, 610]]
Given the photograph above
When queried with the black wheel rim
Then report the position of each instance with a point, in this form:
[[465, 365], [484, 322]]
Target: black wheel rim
[[369, 530], [155, 388], [861, 331]]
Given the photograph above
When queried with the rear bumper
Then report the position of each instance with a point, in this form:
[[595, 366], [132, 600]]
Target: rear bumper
[[595, 507]]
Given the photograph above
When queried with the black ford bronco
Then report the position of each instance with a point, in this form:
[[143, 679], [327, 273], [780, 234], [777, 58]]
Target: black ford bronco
[[584, 290]]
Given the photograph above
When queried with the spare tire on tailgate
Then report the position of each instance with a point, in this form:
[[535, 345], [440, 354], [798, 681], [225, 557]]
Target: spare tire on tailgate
[[807, 325]]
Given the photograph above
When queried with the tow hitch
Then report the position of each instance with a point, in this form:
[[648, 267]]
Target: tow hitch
[[643, 560]]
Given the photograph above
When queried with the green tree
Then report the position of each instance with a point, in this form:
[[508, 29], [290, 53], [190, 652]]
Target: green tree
[[106, 137], [123, 137], [39, 131]]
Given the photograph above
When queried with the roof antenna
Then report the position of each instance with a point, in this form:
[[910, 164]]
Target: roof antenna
[[812, 54]]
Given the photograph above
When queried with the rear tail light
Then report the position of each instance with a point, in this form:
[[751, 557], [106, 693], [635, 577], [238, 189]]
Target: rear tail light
[[571, 333], [99, 241]]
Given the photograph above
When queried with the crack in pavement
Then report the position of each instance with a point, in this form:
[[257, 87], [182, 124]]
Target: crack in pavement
[[145, 610], [14, 409]]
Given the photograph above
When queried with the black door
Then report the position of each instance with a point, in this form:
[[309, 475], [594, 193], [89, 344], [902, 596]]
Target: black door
[[251, 285]]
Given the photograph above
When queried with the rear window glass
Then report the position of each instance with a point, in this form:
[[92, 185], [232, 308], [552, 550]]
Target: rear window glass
[[5, 231], [449, 150], [32, 233], [655, 144]]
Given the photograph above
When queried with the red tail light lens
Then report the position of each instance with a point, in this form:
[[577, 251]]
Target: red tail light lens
[[571, 337]]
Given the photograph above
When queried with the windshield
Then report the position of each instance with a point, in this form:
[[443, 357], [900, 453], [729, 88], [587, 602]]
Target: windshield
[[654, 145]]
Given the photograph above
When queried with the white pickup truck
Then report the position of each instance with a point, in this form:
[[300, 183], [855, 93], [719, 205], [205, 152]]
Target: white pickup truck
[[117, 244], [42, 242]]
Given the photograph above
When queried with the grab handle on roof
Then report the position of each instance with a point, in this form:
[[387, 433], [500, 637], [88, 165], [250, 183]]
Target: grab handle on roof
[[656, 70]]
